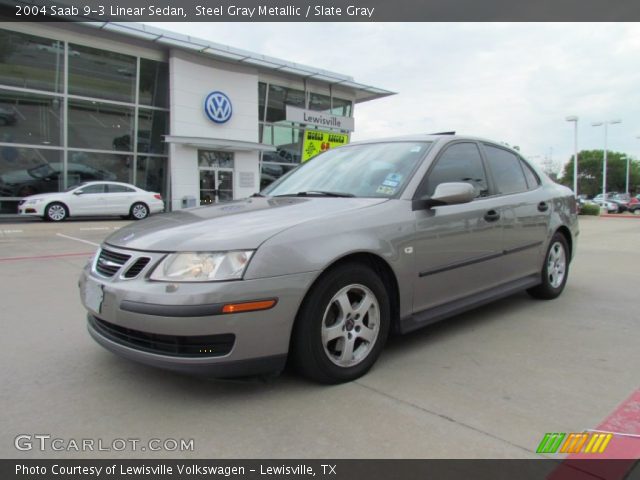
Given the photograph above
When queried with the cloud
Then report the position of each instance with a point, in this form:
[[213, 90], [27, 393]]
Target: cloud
[[511, 82]]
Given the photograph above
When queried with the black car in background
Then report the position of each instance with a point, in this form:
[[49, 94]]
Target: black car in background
[[47, 177]]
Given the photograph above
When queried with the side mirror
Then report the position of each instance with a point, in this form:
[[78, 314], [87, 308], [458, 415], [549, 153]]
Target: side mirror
[[451, 193], [78, 192]]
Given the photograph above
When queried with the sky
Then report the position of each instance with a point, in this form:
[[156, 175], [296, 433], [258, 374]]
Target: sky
[[510, 82]]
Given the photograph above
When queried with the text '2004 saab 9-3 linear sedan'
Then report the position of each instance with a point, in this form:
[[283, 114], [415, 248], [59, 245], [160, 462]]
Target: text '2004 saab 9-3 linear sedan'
[[320, 267]]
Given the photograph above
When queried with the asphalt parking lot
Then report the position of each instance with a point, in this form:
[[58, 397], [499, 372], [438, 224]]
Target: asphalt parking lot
[[486, 384]]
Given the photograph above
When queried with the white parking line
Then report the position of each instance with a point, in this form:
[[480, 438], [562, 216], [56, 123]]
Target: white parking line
[[78, 239], [95, 228], [12, 231]]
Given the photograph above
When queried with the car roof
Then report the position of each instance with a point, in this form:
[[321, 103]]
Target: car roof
[[432, 137], [93, 182]]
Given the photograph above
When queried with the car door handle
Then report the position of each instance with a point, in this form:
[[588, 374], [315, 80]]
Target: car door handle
[[492, 216], [543, 207]]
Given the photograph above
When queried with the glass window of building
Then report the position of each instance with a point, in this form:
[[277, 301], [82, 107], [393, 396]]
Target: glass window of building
[[91, 166], [154, 83], [262, 93], [100, 126], [30, 118], [319, 102], [151, 174], [28, 171], [152, 126], [215, 159], [288, 142], [270, 172], [279, 98], [33, 62], [101, 74], [341, 107]]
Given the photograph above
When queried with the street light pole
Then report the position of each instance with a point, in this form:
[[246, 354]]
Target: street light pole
[[574, 119], [604, 163], [626, 189]]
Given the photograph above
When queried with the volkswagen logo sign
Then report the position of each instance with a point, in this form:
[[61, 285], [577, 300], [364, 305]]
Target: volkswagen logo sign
[[218, 107]]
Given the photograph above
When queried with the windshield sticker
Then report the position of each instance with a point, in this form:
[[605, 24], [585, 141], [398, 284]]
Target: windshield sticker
[[415, 149], [386, 190], [392, 180]]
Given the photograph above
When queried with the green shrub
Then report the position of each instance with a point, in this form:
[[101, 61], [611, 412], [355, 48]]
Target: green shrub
[[590, 209]]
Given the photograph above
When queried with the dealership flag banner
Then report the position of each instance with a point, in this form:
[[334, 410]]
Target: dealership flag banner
[[318, 141]]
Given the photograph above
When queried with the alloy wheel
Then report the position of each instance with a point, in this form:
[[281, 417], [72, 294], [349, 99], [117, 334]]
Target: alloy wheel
[[556, 265], [350, 325], [139, 211], [56, 212]]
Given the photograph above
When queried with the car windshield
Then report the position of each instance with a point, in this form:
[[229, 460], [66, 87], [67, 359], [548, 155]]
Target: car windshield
[[41, 171], [378, 170]]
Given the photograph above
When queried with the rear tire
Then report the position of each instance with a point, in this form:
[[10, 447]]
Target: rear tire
[[139, 211], [56, 212], [342, 325], [555, 270]]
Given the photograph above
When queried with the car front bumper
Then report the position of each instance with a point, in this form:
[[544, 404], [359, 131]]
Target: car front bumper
[[151, 322], [31, 209]]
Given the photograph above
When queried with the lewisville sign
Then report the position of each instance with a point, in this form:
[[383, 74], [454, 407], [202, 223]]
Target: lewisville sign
[[320, 119]]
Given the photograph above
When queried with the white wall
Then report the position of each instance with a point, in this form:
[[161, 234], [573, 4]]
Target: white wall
[[192, 78]]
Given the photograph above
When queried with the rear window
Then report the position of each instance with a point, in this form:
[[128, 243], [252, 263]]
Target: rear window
[[532, 178]]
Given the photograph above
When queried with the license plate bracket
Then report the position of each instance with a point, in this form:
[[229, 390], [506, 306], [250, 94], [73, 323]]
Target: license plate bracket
[[93, 295]]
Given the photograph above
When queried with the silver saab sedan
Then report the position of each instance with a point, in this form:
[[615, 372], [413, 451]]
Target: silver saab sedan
[[363, 240]]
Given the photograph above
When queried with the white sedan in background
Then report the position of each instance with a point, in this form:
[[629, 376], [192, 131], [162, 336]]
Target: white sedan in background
[[93, 199]]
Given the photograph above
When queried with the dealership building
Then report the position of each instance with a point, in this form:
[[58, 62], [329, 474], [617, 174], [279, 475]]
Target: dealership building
[[197, 121]]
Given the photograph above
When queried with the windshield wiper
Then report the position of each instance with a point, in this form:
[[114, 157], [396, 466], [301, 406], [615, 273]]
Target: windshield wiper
[[319, 193]]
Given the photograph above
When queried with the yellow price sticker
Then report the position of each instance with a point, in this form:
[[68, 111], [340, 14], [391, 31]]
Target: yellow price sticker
[[318, 141]]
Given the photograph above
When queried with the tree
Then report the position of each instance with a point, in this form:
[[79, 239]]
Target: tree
[[590, 172]]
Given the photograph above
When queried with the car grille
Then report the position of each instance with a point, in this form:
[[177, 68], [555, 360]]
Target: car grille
[[134, 270], [174, 345], [109, 262]]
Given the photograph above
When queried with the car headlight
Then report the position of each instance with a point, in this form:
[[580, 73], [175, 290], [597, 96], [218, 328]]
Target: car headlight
[[35, 200], [202, 266]]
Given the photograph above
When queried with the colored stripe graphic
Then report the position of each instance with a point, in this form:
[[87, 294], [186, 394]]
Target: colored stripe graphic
[[550, 443], [574, 442]]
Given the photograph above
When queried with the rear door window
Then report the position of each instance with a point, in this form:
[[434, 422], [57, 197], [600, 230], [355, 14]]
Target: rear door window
[[119, 189], [506, 170]]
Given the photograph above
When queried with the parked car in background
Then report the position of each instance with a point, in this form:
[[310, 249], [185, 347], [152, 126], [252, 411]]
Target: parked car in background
[[622, 200], [364, 239], [609, 205], [93, 199], [634, 205], [7, 117]]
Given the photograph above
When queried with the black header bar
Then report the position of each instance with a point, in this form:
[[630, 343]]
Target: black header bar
[[321, 10]]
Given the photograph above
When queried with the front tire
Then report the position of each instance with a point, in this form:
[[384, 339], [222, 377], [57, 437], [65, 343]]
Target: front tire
[[139, 211], [342, 325], [56, 212], [555, 270]]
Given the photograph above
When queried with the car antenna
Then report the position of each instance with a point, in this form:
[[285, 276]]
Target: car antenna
[[443, 133]]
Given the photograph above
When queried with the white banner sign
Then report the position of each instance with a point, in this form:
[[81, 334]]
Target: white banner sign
[[321, 119]]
